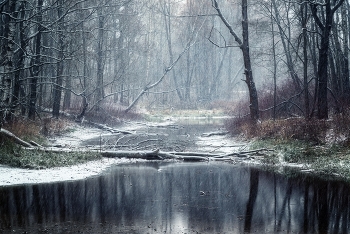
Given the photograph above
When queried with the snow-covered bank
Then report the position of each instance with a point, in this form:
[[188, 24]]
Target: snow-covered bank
[[15, 176], [84, 137]]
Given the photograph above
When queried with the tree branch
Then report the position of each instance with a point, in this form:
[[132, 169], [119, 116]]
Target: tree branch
[[148, 87], [314, 14], [228, 25]]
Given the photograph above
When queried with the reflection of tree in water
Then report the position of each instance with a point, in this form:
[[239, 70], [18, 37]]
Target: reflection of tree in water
[[253, 193], [330, 207], [285, 206]]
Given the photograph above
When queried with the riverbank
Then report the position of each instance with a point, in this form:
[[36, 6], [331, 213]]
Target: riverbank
[[74, 153], [38, 166], [331, 161], [313, 146], [17, 176]]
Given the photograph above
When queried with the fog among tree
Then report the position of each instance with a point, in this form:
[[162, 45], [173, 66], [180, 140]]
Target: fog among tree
[[265, 57]]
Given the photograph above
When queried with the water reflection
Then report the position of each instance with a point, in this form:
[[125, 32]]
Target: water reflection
[[178, 198]]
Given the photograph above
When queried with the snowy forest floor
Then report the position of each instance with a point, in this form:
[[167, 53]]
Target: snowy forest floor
[[73, 152]]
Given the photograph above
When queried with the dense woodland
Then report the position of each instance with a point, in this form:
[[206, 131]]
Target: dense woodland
[[269, 58]]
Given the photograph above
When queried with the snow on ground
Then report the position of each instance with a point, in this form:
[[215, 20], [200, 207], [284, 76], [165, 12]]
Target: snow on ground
[[75, 138], [219, 144], [15, 176]]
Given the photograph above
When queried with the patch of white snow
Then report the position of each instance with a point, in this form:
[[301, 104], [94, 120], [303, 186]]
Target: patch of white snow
[[16, 176]]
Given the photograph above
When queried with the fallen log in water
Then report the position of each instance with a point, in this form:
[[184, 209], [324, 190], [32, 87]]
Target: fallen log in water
[[149, 155], [186, 156], [209, 134]]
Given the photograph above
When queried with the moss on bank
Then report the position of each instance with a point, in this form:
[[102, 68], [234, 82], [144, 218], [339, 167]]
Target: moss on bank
[[325, 160], [16, 156]]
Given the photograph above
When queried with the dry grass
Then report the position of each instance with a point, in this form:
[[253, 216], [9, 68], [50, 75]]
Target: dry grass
[[24, 128], [294, 128], [37, 131], [291, 128], [241, 126], [53, 126]]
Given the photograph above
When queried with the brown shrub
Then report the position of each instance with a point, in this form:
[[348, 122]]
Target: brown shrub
[[241, 126], [291, 128], [294, 128], [50, 126], [22, 127], [341, 127]]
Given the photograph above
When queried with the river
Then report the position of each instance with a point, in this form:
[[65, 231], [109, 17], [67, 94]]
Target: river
[[178, 197]]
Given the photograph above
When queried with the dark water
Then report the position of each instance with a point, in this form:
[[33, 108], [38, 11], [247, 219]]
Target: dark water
[[178, 198]]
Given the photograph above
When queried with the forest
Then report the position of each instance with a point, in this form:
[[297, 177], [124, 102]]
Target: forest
[[263, 58], [277, 71]]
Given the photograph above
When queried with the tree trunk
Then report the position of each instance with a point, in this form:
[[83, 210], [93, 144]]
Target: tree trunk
[[345, 69], [167, 13], [253, 95], [100, 54], [322, 71], [84, 82], [68, 90], [312, 49], [274, 66], [14, 138], [19, 59], [304, 16], [7, 53], [60, 65], [244, 46], [36, 63]]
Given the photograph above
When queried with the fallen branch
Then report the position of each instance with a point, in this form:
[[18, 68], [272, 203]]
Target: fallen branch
[[150, 86], [152, 155], [109, 129], [186, 156], [14, 138], [209, 134], [149, 155]]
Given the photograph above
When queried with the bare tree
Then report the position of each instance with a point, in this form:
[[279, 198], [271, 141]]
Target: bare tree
[[323, 15], [60, 63], [167, 9], [304, 18], [35, 71], [244, 46]]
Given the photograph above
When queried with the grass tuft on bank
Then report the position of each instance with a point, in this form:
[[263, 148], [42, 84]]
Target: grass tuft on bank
[[15, 156]]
